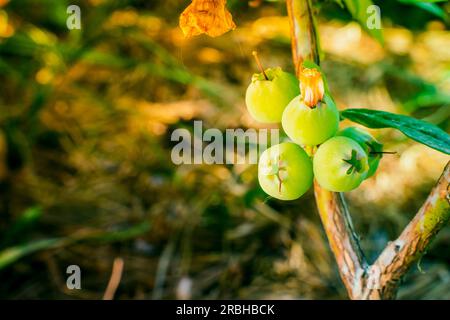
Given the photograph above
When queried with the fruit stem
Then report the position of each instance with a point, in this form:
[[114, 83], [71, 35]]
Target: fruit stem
[[309, 150], [258, 62]]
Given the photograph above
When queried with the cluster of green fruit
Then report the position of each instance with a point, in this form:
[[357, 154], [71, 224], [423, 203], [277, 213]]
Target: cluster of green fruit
[[341, 160]]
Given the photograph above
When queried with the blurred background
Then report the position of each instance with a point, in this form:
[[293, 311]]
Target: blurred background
[[85, 169]]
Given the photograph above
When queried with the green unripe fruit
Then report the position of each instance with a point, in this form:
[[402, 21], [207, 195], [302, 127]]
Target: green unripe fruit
[[340, 164], [266, 99], [310, 126], [371, 146], [285, 171]]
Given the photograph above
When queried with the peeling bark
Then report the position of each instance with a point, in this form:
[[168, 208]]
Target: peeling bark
[[343, 240], [399, 255], [304, 39]]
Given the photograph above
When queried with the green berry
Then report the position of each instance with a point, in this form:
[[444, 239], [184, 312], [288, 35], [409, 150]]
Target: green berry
[[371, 146], [285, 171], [310, 126], [340, 164], [266, 99]]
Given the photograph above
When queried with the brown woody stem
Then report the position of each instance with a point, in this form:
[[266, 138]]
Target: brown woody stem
[[303, 33], [401, 254], [343, 240], [380, 280]]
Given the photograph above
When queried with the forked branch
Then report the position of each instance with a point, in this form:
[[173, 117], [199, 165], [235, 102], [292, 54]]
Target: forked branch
[[399, 255], [380, 280]]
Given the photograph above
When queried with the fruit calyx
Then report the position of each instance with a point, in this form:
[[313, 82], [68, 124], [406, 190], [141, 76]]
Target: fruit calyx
[[274, 168], [270, 73], [312, 88], [356, 164]]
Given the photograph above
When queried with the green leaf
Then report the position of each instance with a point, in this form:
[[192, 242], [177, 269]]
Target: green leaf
[[418, 130], [429, 6], [22, 225], [411, 90], [12, 254], [339, 2], [417, 1], [358, 10], [434, 9]]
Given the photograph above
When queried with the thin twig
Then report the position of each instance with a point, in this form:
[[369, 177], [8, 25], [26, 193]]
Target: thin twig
[[114, 280]]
